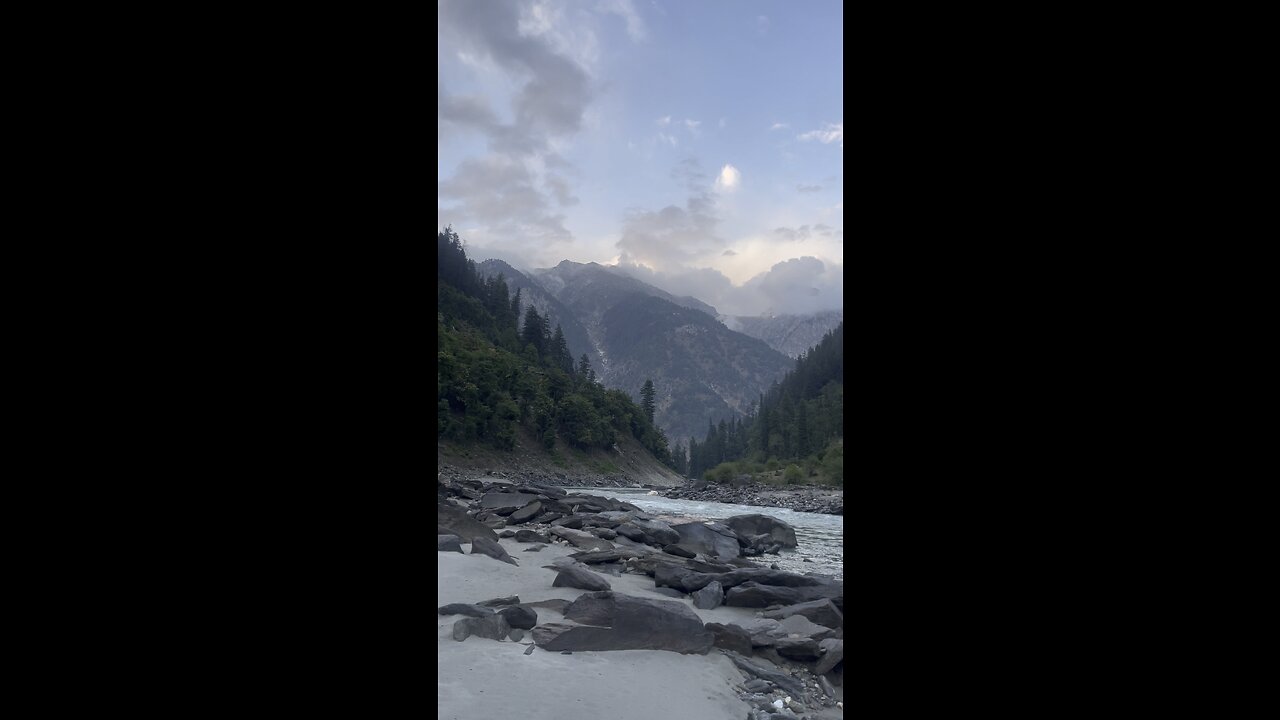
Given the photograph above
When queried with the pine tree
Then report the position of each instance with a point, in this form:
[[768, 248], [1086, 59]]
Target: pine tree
[[646, 403]]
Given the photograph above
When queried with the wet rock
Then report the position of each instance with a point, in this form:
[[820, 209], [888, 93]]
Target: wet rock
[[484, 546]]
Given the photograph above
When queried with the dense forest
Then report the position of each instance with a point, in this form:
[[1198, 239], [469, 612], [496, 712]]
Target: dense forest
[[798, 423], [498, 370]]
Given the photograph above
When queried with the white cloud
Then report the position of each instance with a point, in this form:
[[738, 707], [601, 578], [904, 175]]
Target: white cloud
[[833, 132], [778, 126], [729, 178], [624, 9], [692, 125], [668, 139], [664, 121]]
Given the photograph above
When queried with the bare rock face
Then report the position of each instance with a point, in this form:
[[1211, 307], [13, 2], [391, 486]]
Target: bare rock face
[[614, 621]]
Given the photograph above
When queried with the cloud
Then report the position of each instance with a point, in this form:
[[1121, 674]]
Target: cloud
[[664, 121], [795, 286], [729, 178], [673, 236], [826, 230], [692, 125], [799, 234], [671, 139], [809, 188], [499, 194], [635, 25], [728, 253], [831, 132], [778, 126]]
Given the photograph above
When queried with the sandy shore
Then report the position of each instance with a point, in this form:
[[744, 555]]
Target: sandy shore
[[481, 678]]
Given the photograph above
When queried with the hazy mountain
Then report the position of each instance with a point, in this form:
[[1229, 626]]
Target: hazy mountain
[[788, 334], [532, 293], [701, 370]]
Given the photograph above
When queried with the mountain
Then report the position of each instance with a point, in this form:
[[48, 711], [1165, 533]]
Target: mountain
[[701, 370], [788, 334], [533, 293]]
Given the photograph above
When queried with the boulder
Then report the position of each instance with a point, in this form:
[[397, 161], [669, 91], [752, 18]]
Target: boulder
[[756, 524], [452, 520], [753, 594], [448, 543], [555, 604], [464, 609], [683, 579], [680, 549], [583, 540], [797, 648], [709, 597], [708, 540], [500, 602], [602, 532], [657, 532], [526, 513], [801, 625], [630, 531], [511, 501], [603, 556], [577, 576], [524, 535], [730, 637], [534, 548], [832, 653], [493, 627], [766, 576], [766, 671], [614, 621], [822, 612], [485, 546], [519, 616], [573, 521]]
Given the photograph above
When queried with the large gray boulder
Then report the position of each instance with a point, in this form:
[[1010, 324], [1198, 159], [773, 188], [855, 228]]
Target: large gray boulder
[[448, 543], [766, 576], [753, 594], [452, 520], [577, 576], [583, 540], [493, 627], [464, 609], [709, 597], [832, 653], [755, 524], [485, 546], [526, 513], [801, 625], [730, 637], [657, 532], [822, 612], [797, 648], [708, 539], [614, 621], [683, 579], [502, 500], [519, 616], [529, 536]]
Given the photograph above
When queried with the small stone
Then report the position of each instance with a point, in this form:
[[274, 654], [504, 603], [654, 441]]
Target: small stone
[[529, 650], [517, 635], [840, 705]]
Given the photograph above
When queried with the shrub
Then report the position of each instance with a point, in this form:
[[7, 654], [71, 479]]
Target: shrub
[[793, 475]]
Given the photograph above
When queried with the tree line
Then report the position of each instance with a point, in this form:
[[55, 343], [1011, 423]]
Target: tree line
[[799, 421], [498, 370]]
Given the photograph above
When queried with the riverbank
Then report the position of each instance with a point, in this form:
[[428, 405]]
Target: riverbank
[[800, 498], [673, 623]]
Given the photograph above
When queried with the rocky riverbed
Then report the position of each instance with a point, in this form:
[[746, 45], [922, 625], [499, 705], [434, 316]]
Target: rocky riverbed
[[800, 498], [590, 587]]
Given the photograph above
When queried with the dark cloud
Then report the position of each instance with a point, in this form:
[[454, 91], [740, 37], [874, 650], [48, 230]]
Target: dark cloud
[[809, 188]]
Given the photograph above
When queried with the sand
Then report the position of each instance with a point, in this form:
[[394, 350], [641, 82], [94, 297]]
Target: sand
[[481, 679]]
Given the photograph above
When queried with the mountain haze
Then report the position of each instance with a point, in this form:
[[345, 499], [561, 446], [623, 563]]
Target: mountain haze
[[788, 334]]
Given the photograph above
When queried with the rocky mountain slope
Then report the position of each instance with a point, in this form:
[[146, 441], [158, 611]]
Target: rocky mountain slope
[[788, 334], [533, 293]]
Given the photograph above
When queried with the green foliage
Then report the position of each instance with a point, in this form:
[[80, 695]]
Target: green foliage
[[792, 475], [495, 373]]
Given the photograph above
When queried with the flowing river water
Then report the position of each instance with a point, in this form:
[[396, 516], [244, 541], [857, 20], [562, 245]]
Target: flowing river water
[[820, 537]]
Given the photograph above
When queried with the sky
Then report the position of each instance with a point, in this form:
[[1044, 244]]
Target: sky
[[698, 146]]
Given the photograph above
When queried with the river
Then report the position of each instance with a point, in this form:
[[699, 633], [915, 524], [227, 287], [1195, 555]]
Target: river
[[820, 537]]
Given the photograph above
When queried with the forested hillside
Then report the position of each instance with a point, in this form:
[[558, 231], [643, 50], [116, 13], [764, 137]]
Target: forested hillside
[[497, 371], [798, 424]]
